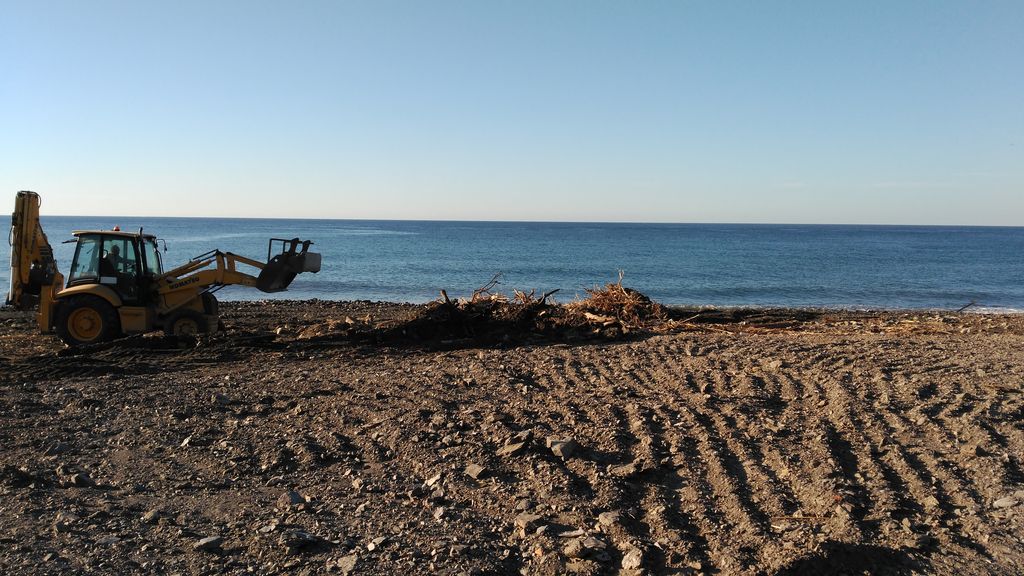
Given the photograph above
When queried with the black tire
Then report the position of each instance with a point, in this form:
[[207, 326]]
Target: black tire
[[87, 319], [186, 323], [210, 304], [212, 308]]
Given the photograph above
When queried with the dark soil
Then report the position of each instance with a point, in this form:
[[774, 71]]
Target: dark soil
[[366, 438]]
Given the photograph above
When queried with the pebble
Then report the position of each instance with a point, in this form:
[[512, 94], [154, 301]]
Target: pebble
[[575, 549], [347, 564], [298, 541], [633, 559], [1005, 502], [151, 517], [563, 448], [609, 518], [475, 471], [527, 521], [208, 544], [583, 547], [376, 543], [290, 499], [457, 550], [514, 449], [623, 471], [521, 437]]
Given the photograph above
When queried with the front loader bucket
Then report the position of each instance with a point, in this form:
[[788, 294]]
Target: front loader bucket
[[280, 270]]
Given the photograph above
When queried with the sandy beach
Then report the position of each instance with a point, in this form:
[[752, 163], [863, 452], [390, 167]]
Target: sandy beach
[[311, 437]]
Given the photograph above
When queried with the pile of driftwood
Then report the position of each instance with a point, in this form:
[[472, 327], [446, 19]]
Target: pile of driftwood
[[490, 317]]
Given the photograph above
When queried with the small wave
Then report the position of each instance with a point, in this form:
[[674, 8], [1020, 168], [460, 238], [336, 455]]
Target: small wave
[[371, 232], [994, 310]]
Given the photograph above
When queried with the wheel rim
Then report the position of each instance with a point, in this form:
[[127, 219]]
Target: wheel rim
[[85, 324], [186, 327]]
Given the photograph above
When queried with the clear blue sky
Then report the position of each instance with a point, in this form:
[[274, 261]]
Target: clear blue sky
[[796, 111]]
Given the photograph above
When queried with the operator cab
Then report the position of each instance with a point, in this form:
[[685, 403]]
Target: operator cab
[[125, 262]]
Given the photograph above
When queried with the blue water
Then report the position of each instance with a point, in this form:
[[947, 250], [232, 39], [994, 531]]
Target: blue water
[[686, 264]]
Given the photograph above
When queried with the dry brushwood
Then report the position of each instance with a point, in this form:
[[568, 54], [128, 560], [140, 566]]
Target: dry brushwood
[[531, 298], [484, 292], [490, 317], [625, 305]]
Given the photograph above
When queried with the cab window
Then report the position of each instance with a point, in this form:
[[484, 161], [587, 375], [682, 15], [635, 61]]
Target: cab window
[[87, 259], [152, 257], [118, 258]]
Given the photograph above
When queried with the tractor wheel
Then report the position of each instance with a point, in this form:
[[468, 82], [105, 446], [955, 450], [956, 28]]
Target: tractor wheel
[[186, 323], [210, 304], [87, 320], [212, 308]]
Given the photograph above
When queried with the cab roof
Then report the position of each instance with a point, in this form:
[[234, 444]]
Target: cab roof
[[121, 233]]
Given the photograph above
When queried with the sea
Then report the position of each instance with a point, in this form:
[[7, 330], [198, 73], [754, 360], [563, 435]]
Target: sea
[[721, 265]]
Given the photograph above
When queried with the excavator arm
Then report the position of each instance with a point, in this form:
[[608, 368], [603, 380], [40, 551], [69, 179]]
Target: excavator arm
[[34, 275], [215, 268]]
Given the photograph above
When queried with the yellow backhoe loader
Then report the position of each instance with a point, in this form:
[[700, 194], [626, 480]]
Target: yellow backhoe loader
[[117, 284]]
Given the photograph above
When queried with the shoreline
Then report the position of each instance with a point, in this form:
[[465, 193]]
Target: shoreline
[[973, 309]]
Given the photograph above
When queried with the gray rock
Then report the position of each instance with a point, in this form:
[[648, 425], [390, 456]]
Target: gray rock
[[298, 541], [208, 544], [64, 521], [290, 500], [347, 564], [514, 449], [575, 549], [563, 448], [586, 547], [633, 559], [475, 471], [1005, 502], [376, 543], [522, 437], [458, 550], [623, 471], [527, 521]]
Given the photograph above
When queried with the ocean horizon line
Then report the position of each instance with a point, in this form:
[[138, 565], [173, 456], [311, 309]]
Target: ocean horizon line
[[547, 222]]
